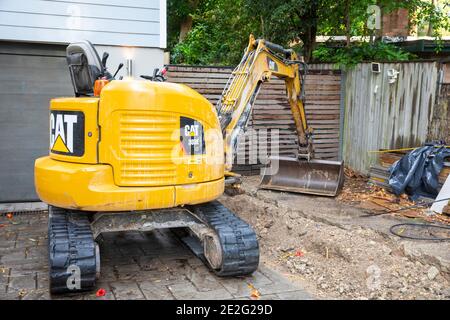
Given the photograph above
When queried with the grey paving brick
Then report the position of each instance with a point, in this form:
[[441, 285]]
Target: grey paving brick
[[268, 297], [151, 250], [68, 296], [202, 279], [109, 250], [127, 271], [36, 264], [26, 265], [6, 251], [193, 261], [295, 295], [242, 286], [108, 272], [18, 272], [42, 280], [131, 250], [30, 241], [155, 290], [279, 283], [21, 283], [117, 261], [277, 287], [126, 290], [4, 276], [174, 263], [36, 252], [169, 279], [186, 290], [7, 244], [130, 237], [152, 265], [39, 294], [9, 296], [14, 256]]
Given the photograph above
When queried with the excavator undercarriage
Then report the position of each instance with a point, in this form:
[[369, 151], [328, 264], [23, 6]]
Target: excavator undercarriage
[[224, 242]]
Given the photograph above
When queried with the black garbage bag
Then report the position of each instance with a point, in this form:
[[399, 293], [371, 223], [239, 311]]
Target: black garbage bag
[[417, 172]]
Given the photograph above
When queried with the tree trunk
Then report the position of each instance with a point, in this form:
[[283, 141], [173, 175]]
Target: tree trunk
[[309, 43], [347, 23], [185, 27], [430, 30], [309, 37]]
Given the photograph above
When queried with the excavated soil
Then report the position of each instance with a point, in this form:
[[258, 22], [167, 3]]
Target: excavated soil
[[329, 260]]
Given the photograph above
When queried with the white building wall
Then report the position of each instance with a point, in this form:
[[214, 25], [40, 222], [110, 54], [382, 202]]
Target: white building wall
[[107, 22], [144, 60], [134, 29]]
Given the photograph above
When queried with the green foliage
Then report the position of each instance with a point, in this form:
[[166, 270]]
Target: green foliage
[[219, 35], [178, 11], [348, 57], [221, 28]]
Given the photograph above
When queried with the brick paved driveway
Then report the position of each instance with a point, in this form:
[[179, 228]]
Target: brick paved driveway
[[153, 265]]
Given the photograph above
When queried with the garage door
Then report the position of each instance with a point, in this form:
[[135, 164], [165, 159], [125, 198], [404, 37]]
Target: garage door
[[30, 75]]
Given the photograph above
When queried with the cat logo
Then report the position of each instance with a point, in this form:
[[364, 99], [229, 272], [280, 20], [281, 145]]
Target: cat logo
[[191, 130], [191, 136], [67, 132]]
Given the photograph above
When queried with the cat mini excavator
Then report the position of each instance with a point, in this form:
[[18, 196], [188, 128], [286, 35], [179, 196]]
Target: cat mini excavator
[[143, 155]]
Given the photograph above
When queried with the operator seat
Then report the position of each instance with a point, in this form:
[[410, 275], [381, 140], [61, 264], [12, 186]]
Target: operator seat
[[85, 67]]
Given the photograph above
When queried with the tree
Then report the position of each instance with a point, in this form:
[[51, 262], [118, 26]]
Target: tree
[[219, 34], [180, 19], [289, 21], [219, 29]]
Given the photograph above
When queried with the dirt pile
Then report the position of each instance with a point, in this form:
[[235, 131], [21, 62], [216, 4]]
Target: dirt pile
[[335, 262]]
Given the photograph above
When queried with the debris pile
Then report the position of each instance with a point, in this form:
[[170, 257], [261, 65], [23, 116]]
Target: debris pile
[[360, 191], [379, 174], [355, 187]]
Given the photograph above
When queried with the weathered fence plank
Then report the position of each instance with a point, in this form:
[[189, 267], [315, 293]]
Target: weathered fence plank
[[386, 113]]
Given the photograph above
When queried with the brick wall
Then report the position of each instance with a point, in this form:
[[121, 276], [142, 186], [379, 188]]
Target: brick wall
[[395, 24]]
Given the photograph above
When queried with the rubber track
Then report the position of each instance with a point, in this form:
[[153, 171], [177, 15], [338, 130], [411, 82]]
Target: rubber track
[[70, 242], [240, 249]]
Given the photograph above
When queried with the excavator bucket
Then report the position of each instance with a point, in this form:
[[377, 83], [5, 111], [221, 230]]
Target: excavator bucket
[[319, 177]]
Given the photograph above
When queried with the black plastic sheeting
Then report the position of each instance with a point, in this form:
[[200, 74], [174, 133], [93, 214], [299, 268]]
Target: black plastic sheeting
[[417, 172]]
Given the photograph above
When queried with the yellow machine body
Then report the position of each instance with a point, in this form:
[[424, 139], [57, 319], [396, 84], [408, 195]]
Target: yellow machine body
[[140, 145]]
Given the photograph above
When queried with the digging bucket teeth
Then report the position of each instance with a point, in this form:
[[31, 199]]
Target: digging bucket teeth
[[319, 177]]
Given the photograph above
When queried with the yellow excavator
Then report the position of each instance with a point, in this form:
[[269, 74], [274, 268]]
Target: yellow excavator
[[144, 155]]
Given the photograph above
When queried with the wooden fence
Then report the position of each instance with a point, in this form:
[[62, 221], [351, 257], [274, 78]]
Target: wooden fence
[[389, 109], [272, 111], [439, 127]]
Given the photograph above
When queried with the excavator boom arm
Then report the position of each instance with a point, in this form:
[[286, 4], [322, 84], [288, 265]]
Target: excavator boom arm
[[260, 62]]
